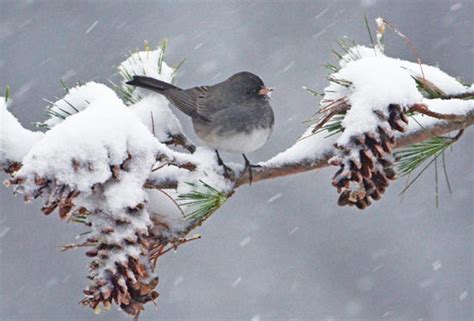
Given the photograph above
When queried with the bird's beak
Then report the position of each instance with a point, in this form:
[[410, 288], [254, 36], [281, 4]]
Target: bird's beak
[[265, 91]]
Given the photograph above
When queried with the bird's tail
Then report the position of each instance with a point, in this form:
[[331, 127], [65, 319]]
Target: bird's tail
[[150, 83]]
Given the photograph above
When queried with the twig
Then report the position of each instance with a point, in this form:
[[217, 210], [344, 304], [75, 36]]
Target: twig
[[180, 140], [174, 245], [466, 95], [160, 166], [423, 109], [67, 247]]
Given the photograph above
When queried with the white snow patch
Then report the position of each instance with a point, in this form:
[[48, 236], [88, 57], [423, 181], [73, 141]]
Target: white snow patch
[[448, 84], [161, 204], [80, 150], [309, 146], [372, 88], [77, 99], [15, 140], [145, 63], [255, 318], [155, 113]]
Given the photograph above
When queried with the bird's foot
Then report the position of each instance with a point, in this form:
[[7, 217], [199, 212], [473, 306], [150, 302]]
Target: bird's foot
[[228, 172], [249, 167]]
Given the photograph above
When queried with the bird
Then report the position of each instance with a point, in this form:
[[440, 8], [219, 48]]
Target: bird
[[234, 115]]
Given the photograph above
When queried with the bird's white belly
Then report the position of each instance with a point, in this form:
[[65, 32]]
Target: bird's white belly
[[238, 142]]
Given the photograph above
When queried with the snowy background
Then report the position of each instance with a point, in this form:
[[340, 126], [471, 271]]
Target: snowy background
[[279, 250]]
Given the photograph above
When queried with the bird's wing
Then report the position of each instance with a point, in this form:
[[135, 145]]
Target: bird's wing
[[188, 100], [213, 100]]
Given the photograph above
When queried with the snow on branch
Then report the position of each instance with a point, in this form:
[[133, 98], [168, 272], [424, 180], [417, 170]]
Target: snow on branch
[[124, 168], [15, 141]]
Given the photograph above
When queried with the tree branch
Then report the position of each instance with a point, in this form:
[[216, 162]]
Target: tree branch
[[423, 109], [437, 129], [442, 127]]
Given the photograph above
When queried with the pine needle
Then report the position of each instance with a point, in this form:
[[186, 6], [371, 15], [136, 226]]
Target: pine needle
[[428, 89], [416, 177], [175, 71], [7, 94], [204, 201], [436, 181], [334, 126], [411, 157], [312, 92], [368, 30], [446, 173], [164, 45], [65, 87]]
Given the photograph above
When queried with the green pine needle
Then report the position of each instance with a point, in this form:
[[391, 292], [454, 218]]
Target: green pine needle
[[331, 68], [428, 89], [65, 87], [313, 92], [72, 106], [126, 93], [445, 171], [334, 126], [164, 45], [175, 71], [7, 94], [351, 53], [413, 156], [341, 82], [368, 30], [203, 202]]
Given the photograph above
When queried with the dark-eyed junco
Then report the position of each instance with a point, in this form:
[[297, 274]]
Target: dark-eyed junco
[[233, 116]]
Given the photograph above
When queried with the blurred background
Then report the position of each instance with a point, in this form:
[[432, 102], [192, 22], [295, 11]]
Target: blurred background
[[278, 250]]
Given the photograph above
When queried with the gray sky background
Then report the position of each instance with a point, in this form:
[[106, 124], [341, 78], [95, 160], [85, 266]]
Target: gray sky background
[[299, 257]]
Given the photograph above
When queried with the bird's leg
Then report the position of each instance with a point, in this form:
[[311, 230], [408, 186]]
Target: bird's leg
[[249, 167], [220, 162]]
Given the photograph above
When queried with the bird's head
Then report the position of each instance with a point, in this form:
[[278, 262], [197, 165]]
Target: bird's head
[[250, 85]]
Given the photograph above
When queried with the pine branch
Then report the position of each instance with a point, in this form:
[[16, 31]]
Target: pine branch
[[441, 127]]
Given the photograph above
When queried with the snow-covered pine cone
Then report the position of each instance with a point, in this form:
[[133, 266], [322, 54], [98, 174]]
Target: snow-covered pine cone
[[121, 270], [366, 162]]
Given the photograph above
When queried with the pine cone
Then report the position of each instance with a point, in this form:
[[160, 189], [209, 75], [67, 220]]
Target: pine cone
[[121, 270], [366, 162]]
